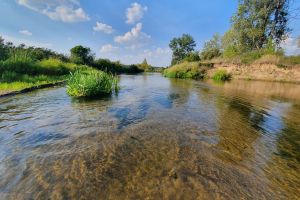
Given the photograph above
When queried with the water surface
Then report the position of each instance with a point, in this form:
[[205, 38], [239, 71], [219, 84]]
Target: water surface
[[157, 139]]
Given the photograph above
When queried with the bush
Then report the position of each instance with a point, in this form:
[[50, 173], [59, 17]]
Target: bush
[[19, 65], [53, 66], [185, 70], [93, 83], [221, 75], [115, 67]]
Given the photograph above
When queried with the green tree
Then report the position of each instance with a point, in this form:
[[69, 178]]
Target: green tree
[[81, 55], [181, 47], [144, 65], [192, 56], [258, 22], [212, 48], [3, 49]]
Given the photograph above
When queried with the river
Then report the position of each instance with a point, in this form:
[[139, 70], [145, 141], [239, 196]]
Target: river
[[157, 138]]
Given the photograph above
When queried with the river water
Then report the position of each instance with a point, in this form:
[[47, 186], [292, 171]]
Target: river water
[[157, 138]]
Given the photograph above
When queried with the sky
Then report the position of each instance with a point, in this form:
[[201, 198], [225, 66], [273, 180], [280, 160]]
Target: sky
[[123, 30]]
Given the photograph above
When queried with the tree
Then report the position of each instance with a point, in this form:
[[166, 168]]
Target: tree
[[258, 22], [212, 48], [81, 55], [299, 41], [3, 49], [181, 47], [144, 65], [192, 56]]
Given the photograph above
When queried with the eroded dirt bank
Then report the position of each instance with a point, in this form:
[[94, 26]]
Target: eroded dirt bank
[[265, 72]]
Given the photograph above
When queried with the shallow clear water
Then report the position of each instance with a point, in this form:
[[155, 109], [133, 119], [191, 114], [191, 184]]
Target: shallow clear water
[[157, 139]]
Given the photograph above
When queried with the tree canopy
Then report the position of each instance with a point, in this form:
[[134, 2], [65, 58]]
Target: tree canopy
[[81, 55], [181, 47], [212, 48], [258, 22]]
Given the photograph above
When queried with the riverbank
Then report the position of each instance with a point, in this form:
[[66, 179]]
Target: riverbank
[[263, 71], [5, 93]]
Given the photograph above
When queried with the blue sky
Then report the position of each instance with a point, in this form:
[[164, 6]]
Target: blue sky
[[123, 30]]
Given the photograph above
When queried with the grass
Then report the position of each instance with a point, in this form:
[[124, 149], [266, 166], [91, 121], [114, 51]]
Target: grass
[[192, 70], [18, 73], [221, 75], [91, 84]]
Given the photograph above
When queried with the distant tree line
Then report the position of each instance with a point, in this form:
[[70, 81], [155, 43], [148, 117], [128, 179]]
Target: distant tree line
[[78, 55], [258, 27], [8, 50]]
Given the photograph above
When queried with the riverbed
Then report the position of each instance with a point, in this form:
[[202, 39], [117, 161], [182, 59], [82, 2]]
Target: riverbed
[[157, 138]]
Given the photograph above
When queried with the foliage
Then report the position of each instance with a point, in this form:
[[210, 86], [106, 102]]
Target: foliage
[[257, 22], [8, 50], [221, 75], [212, 48], [181, 47], [93, 83], [81, 55], [185, 70], [289, 61], [22, 64], [144, 65], [192, 57], [3, 50], [115, 67]]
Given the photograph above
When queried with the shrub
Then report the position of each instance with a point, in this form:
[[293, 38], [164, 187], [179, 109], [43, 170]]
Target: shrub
[[19, 65], [53, 66], [93, 83], [115, 67], [184, 70], [221, 75]]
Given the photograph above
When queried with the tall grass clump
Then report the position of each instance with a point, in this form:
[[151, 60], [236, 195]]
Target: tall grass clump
[[221, 75], [185, 70], [91, 84]]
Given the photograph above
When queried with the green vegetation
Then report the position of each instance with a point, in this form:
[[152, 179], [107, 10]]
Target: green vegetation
[[257, 31], [181, 47], [90, 84], [192, 70], [81, 55], [212, 48], [221, 75], [23, 67], [115, 67]]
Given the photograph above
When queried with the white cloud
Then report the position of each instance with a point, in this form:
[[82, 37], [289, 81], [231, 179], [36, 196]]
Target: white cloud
[[290, 46], [61, 10], [25, 32], [135, 13], [108, 48], [103, 27], [134, 38]]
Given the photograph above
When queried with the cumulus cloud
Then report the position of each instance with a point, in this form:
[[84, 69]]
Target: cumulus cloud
[[25, 32], [103, 28], [61, 10], [134, 38], [108, 48], [135, 13], [290, 46]]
